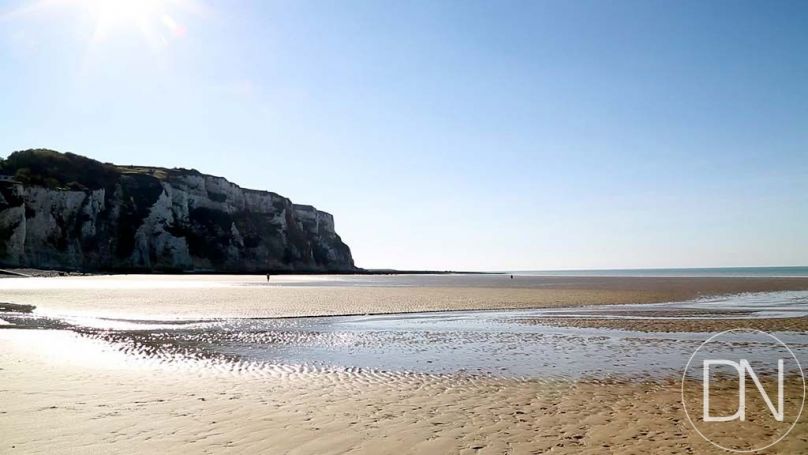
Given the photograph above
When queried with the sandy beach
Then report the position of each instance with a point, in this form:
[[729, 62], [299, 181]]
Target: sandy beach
[[245, 296], [67, 405], [127, 364]]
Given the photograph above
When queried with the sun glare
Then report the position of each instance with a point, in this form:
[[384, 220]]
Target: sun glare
[[124, 11], [150, 17], [154, 20]]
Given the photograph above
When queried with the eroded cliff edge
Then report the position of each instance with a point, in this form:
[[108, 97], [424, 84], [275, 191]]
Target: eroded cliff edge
[[70, 212]]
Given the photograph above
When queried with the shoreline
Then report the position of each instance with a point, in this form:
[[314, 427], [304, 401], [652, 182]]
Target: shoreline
[[695, 272], [30, 272]]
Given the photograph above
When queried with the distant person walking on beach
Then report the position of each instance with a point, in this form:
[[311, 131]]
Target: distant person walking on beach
[[511, 276], [267, 277]]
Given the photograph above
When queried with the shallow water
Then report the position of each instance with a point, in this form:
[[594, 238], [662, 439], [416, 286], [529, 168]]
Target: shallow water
[[679, 272], [496, 343], [785, 304]]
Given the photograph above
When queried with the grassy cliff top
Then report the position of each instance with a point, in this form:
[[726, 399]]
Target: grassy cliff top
[[54, 169]]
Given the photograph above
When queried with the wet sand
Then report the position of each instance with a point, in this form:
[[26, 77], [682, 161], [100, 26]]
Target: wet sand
[[230, 296], [670, 326], [55, 404], [87, 384], [503, 343]]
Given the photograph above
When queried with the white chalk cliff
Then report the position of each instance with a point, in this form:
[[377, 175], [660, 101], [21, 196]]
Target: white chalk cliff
[[69, 212]]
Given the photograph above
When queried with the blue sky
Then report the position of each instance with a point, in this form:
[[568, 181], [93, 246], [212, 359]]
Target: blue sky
[[448, 135]]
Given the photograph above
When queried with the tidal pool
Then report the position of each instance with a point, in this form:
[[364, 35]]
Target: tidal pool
[[497, 343]]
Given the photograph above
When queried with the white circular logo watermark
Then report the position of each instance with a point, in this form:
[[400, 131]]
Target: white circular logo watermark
[[743, 390]]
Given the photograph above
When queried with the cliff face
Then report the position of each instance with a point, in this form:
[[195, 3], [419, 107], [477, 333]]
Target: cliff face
[[153, 219]]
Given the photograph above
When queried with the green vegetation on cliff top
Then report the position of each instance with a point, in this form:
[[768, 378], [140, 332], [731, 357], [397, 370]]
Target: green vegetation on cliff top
[[54, 169]]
